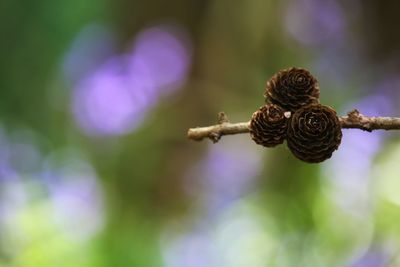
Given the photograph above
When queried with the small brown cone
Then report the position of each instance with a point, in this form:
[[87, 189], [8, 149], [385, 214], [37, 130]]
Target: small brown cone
[[268, 125], [292, 88], [314, 133]]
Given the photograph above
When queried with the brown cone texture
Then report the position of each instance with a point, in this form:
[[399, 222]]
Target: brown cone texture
[[292, 88], [268, 125], [314, 133]]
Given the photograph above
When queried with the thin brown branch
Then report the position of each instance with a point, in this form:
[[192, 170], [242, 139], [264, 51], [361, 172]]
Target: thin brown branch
[[214, 132], [353, 120]]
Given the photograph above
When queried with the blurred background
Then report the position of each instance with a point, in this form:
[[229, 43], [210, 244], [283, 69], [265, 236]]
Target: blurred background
[[96, 97]]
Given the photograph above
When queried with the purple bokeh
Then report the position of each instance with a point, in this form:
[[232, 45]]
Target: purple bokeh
[[378, 104], [314, 22], [94, 44], [160, 58], [322, 26], [76, 198], [227, 174], [349, 169], [240, 236], [29, 180], [194, 249], [115, 98], [229, 171], [389, 88], [104, 104], [19, 158], [373, 258]]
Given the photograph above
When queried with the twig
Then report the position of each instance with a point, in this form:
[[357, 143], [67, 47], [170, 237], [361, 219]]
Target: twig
[[353, 120], [214, 132]]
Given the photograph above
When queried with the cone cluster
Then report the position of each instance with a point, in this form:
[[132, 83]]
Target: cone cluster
[[293, 112]]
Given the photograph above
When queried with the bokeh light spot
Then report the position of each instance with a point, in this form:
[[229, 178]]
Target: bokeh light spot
[[115, 98]]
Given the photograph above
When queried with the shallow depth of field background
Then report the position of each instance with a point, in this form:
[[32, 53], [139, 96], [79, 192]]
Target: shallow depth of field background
[[96, 97]]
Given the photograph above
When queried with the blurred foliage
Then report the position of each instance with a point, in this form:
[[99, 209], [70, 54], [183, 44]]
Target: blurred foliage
[[148, 196]]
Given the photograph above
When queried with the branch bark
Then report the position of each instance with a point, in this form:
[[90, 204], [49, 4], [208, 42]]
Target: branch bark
[[353, 120]]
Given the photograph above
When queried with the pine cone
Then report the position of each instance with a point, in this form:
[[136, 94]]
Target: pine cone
[[292, 88], [268, 125], [314, 133]]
